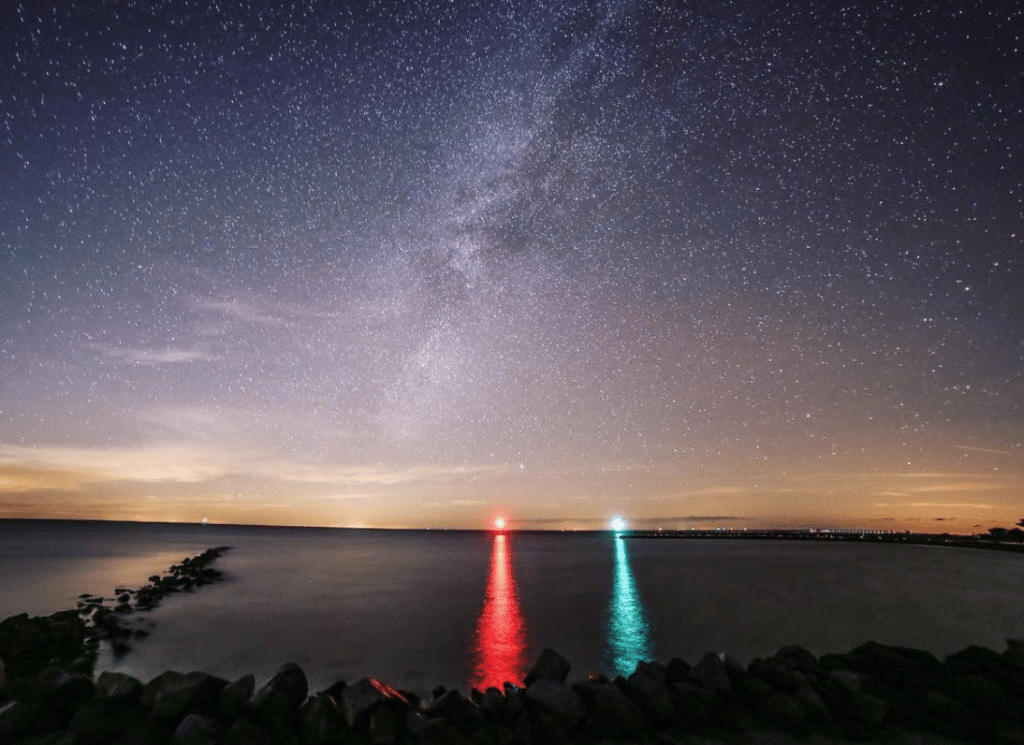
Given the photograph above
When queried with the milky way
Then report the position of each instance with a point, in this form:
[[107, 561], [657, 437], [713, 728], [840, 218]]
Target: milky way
[[414, 264]]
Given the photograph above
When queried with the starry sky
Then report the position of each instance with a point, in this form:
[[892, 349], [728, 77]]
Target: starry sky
[[415, 264]]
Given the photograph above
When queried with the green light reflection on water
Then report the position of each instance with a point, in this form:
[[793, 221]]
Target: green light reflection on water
[[629, 634]]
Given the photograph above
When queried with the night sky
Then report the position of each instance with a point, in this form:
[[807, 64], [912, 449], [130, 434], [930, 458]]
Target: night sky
[[416, 264]]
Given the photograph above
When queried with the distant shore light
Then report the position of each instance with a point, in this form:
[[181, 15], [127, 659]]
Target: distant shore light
[[618, 524]]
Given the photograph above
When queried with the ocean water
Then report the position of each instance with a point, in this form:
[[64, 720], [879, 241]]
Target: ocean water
[[419, 609]]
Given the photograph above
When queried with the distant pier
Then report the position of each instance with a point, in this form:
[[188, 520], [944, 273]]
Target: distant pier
[[834, 534]]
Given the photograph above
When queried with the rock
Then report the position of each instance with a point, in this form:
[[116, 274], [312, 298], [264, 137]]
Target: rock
[[492, 704], [651, 691], [550, 666], [612, 712], [812, 704], [752, 689], [171, 695], [514, 696], [98, 721], [118, 687], [556, 699], [16, 719], [778, 674], [433, 731], [781, 710], [359, 699], [678, 670], [711, 673], [321, 721], [695, 703], [558, 709], [847, 679], [870, 709], [385, 724], [196, 729], [234, 695], [280, 696], [60, 691], [798, 658], [244, 732], [982, 696], [1015, 649], [456, 709]]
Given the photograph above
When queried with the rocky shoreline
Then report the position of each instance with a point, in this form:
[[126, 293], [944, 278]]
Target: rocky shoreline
[[49, 695], [875, 693]]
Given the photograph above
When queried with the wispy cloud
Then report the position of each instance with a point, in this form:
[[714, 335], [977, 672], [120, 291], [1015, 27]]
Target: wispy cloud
[[240, 311], [158, 356], [961, 505], [982, 450], [190, 464]]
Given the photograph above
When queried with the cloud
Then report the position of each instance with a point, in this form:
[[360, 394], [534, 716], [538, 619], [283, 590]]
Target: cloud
[[982, 450], [239, 311], [936, 504], [143, 356], [35, 467]]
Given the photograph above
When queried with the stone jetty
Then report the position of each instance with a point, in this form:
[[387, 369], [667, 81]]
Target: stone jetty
[[874, 693]]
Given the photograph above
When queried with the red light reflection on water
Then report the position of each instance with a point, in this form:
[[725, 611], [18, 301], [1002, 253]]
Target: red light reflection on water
[[499, 649]]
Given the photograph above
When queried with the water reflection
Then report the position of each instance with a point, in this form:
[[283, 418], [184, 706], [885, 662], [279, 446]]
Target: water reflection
[[628, 631], [500, 645]]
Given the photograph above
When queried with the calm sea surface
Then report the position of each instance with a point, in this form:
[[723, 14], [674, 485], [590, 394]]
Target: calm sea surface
[[418, 609]]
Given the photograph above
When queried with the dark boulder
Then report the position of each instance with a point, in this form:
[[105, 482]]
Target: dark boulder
[[100, 722], [514, 702], [848, 680], [982, 696], [751, 689], [59, 691], [492, 704], [360, 700], [171, 695], [678, 670], [17, 719], [550, 666], [321, 721], [711, 672], [870, 709], [695, 703], [648, 686], [798, 658], [557, 709], [386, 723], [813, 705], [118, 687], [778, 673], [783, 711], [234, 695], [457, 710], [281, 695], [196, 729], [244, 732], [610, 712], [1015, 650]]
